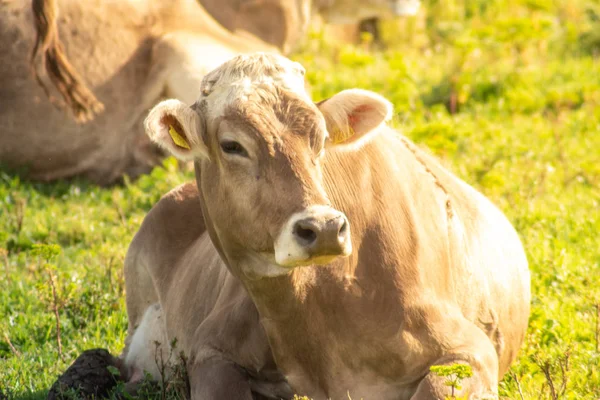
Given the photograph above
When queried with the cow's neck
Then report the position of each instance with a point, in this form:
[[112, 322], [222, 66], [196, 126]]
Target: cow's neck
[[189, 16], [313, 312], [344, 288], [281, 25]]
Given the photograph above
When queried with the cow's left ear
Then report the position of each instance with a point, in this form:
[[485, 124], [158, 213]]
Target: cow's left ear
[[353, 113], [177, 128]]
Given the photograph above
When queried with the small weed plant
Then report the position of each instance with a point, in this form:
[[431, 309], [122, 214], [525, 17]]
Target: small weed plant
[[454, 375]]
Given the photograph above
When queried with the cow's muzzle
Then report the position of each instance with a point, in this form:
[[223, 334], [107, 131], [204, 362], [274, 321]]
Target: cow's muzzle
[[317, 235]]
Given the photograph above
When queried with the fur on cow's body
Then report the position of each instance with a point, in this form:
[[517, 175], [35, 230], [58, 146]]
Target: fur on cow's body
[[437, 274]]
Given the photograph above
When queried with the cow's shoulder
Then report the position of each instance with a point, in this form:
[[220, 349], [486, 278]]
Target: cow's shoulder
[[173, 224]]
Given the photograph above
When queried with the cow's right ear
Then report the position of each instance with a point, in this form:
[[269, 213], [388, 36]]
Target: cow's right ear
[[352, 114], [176, 127]]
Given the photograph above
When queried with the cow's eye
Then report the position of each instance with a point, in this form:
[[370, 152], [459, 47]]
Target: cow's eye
[[231, 147]]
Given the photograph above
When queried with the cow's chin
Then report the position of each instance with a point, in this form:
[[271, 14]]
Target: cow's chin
[[307, 262], [259, 265], [322, 260], [296, 256], [314, 261]]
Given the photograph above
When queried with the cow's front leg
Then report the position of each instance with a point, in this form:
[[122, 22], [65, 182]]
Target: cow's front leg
[[215, 379], [476, 351]]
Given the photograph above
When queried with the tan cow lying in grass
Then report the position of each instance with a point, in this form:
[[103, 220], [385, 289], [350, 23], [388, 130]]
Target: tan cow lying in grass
[[124, 57], [321, 246]]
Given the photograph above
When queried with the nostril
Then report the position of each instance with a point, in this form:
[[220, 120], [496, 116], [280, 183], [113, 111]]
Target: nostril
[[343, 228], [306, 233]]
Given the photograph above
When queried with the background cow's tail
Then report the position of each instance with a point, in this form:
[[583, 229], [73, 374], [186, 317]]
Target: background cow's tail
[[75, 94]]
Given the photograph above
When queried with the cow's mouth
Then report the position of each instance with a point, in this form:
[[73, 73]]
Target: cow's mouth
[[308, 262], [313, 261]]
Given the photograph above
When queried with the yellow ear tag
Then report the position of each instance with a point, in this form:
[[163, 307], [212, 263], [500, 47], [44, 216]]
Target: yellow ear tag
[[177, 138], [340, 136]]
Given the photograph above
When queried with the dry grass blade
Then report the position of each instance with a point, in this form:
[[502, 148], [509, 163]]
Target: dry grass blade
[[56, 315]]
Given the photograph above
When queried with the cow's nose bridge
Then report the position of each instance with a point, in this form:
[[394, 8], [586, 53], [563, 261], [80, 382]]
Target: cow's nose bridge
[[317, 234], [306, 182]]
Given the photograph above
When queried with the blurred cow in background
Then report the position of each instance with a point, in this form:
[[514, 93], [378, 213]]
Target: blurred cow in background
[[110, 61], [270, 21], [348, 23]]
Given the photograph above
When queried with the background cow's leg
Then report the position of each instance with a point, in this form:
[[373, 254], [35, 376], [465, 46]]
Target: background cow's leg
[[180, 64], [218, 379], [475, 350]]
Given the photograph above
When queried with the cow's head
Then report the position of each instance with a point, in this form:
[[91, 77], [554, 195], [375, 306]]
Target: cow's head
[[258, 142]]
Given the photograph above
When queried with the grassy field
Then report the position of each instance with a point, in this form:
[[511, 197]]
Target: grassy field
[[506, 92]]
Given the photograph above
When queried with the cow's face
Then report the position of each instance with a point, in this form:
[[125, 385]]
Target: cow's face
[[258, 142]]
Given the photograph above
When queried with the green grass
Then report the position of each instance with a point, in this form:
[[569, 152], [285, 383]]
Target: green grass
[[506, 92]]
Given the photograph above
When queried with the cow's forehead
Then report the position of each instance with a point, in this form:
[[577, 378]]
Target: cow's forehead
[[238, 78]]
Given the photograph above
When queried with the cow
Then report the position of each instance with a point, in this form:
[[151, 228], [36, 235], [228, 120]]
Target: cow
[[123, 57], [359, 19], [319, 252]]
